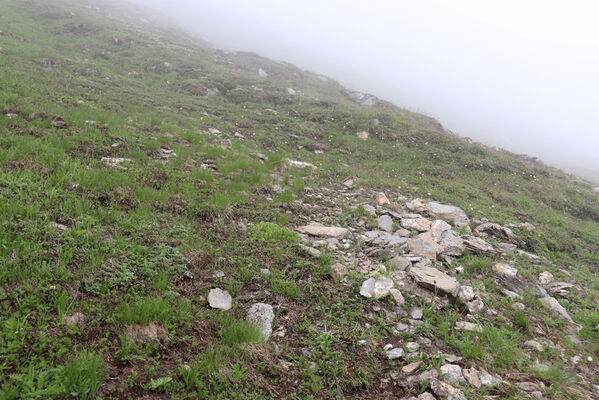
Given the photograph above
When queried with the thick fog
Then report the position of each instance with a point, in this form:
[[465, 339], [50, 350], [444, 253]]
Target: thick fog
[[523, 75]]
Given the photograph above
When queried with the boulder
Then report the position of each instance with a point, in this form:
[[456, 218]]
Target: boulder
[[376, 288], [395, 353], [400, 263], [435, 280], [545, 278], [315, 229], [382, 199], [448, 213], [452, 373], [385, 223], [479, 246], [362, 135], [220, 299], [261, 315], [445, 391], [556, 308], [452, 244], [423, 246], [418, 224]]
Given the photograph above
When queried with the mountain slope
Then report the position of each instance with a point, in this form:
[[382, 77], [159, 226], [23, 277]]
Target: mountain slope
[[141, 168]]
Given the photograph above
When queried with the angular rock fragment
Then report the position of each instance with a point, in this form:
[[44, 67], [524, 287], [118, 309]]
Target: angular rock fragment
[[423, 246], [435, 280], [376, 288], [417, 224], [479, 246], [220, 299]]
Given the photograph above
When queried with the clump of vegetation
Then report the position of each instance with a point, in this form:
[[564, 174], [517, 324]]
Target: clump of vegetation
[[273, 234]]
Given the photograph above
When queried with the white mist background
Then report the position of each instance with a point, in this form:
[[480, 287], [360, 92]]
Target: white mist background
[[522, 75]]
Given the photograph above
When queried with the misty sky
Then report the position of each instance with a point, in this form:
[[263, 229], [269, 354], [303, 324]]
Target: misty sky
[[522, 74]]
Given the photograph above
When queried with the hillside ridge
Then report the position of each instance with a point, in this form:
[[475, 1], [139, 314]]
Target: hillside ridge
[[180, 221]]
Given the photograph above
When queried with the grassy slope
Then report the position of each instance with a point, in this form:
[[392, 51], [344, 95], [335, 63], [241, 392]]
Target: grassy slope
[[132, 231]]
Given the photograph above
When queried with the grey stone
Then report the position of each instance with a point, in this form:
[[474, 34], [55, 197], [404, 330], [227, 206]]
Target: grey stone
[[452, 244], [262, 315], [448, 213], [385, 223], [400, 263], [395, 353], [452, 373], [545, 278], [556, 308], [479, 246], [422, 246], [435, 280]]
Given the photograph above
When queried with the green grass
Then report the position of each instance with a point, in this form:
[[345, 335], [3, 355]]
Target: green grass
[[142, 241], [237, 332]]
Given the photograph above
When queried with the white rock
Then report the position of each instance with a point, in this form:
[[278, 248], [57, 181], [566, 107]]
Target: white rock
[[220, 299], [452, 373], [376, 288], [505, 270], [468, 326], [262, 73], [418, 224], [262, 315], [466, 294], [321, 230], [545, 278]]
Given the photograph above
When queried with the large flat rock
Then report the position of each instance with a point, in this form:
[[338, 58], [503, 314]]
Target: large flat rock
[[435, 280], [315, 229], [448, 213]]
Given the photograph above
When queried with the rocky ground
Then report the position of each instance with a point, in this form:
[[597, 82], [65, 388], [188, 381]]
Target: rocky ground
[[410, 247]]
